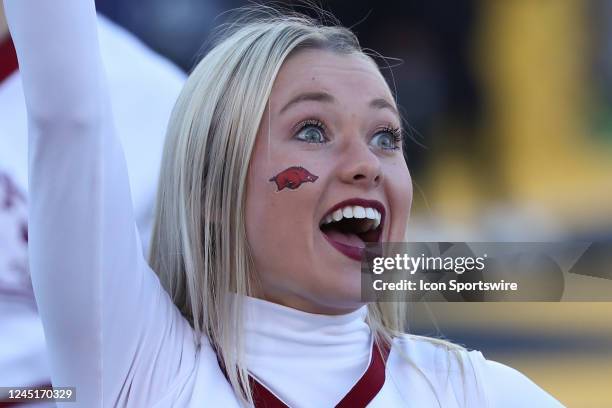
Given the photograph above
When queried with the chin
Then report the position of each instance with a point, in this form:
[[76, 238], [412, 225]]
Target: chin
[[344, 296]]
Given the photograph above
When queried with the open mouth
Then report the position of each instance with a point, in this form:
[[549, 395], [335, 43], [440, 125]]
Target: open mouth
[[350, 225]]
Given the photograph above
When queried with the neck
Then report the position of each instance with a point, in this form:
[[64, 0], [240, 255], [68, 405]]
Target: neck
[[301, 355], [309, 306]]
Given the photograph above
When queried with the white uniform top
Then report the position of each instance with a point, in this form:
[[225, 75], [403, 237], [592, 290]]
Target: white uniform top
[[311, 361], [111, 329], [143, 87]]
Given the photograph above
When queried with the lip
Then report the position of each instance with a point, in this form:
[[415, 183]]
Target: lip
[[356, 253], [352, 252]]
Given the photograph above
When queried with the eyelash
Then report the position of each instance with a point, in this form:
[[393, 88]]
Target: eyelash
[[310, 122], [394, 131]]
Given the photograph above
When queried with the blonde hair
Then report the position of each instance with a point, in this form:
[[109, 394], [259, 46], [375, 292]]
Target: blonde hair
[[199, 247]]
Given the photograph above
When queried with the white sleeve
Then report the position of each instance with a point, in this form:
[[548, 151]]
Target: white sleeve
[[508, 388], [111, 330]]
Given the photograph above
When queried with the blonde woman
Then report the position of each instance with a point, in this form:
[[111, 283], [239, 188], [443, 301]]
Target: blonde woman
[[283, 157]]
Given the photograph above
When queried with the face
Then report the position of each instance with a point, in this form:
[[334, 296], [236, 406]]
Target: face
[[327, 175]]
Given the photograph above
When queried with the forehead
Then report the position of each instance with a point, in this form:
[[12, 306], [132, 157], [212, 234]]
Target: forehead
[[352, 76]]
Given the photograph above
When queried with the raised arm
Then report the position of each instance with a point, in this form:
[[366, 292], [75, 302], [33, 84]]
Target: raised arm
[[111, 330]]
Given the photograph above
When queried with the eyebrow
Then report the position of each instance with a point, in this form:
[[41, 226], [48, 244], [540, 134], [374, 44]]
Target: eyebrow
[[381, 103], [378, 103], [309, 96]]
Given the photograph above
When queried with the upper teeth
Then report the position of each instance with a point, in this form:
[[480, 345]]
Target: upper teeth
[[354, 211]]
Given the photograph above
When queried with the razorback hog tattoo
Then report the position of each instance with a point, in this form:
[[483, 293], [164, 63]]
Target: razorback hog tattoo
[[293, 177]]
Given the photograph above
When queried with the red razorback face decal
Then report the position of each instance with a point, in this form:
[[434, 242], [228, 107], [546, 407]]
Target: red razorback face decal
[[293, 177]]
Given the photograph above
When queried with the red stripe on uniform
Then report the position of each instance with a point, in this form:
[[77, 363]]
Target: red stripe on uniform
[[359, 396], [8, 59], [263, 398], [368, 385]]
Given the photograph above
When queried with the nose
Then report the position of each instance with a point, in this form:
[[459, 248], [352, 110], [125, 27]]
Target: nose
[[361, 167]]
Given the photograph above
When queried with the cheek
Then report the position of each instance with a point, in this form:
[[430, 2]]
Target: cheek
[[259, 206], [400, 197], [282, 193], [280, 202]]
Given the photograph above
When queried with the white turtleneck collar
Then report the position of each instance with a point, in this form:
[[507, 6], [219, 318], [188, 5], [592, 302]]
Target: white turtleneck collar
[[307, 360]]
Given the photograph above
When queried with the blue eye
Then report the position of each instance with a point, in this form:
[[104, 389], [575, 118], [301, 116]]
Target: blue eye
[[387, 139], [311, 132]]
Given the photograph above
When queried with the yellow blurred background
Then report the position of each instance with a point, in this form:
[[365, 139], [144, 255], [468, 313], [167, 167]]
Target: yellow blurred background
[[565, 348], [543, 160], [545, 173]]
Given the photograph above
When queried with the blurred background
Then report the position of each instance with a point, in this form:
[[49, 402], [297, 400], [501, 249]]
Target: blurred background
[[509, 108]]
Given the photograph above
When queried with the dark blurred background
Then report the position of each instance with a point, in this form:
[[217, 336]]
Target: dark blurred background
[[509, 105]]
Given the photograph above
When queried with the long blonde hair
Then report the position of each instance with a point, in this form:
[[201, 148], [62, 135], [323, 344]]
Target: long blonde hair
[[199, 247]]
